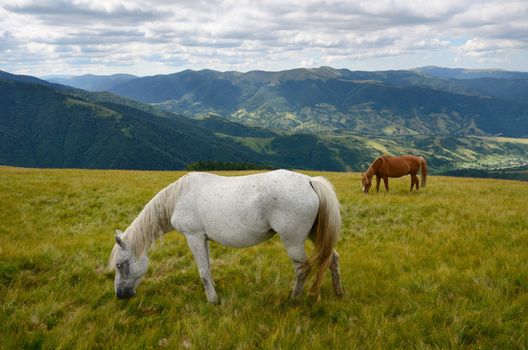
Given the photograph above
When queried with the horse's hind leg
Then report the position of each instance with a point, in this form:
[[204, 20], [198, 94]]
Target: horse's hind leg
[[198, 246], [334, 268], [297, 255], [336, 274], [415, 181]]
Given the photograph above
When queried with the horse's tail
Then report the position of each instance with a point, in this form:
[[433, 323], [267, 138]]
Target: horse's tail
[[325, 230], [423, 171]]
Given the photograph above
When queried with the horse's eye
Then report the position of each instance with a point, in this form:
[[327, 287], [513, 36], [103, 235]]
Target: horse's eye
[[118, 266]]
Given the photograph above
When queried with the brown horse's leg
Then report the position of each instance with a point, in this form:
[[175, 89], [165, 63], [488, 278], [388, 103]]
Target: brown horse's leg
[[377, 182], [414, 181], [386, 183]]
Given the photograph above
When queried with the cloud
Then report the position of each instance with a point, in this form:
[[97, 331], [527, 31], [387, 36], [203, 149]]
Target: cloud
[[490, 50], [83, 36], [65, 12], [8, 43]]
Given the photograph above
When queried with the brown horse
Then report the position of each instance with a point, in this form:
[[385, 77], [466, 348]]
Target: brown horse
[[386, 166]]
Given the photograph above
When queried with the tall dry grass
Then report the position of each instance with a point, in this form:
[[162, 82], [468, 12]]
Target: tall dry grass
[[443, 268]]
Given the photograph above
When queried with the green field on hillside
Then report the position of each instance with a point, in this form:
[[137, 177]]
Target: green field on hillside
[[446, 267]]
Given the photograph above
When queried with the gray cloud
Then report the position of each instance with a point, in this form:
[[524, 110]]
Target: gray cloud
[[92, 37], [7, 43], [65, 12]]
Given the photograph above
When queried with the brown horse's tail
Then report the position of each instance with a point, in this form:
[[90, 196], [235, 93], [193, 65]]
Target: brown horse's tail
[[423, 170], [325, 230]]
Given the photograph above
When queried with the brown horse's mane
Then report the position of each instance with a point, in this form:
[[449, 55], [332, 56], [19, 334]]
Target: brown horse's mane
[[374, 167]]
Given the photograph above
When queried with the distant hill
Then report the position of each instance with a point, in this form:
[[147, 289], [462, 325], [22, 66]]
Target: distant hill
[[492, 83], [91, 82], [43, 126], [26, 79], [333, 100], [321, 119], [512, 89], [461, 73], [224, 126]]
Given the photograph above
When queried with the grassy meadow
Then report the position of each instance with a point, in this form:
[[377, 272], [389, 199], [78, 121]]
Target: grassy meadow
[[446, 267]]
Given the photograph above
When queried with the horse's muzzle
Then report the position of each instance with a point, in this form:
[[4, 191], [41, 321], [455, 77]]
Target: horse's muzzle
[[125, 294]]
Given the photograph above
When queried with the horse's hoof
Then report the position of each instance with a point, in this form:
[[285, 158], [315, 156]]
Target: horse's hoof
[[213, 300]]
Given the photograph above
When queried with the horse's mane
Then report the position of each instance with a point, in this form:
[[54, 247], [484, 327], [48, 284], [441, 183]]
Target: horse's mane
[[152, 222], [374, 166]]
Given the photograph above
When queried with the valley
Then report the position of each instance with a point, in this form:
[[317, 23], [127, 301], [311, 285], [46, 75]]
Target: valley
[[320, 119]]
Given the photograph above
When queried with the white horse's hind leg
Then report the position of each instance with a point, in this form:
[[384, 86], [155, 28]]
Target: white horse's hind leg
[[199, 248], [336, 274], [334, 268], [298, 256]]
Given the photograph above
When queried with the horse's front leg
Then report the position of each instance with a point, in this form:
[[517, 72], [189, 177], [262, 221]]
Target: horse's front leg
[[377, 182], [198, 246], [208, 249], [386, 183]]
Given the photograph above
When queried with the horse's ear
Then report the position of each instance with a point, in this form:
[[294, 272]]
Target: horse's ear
[[119, 233], [120, 242]]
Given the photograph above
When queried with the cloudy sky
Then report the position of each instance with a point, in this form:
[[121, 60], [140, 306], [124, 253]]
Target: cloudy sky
[[154, 36]]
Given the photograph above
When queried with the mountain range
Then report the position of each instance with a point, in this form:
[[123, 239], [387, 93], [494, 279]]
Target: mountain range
[[90, 82], [326, 100], [50, 125], [42, 126], [321, 118]]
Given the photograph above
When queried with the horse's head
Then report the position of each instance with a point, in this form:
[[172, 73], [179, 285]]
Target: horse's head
[[128, 268], [365, 181]]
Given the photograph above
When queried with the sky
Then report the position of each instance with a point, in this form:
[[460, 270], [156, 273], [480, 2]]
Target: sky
[[150, 37]]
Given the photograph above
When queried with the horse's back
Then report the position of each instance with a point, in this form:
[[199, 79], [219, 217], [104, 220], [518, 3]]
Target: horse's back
[[282, 183], [414, 162], [242, 210], [400, 166]]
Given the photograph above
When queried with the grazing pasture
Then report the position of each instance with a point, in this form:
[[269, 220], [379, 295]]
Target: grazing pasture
[[443, 267]]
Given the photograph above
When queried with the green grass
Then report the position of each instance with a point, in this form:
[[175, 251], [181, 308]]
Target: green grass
[[101, 112], [443, 268]]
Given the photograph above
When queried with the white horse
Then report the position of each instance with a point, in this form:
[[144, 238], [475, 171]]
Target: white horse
[[237, 211]]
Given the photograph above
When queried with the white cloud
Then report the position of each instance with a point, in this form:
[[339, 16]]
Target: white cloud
[[155, 36], [490, 50]]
